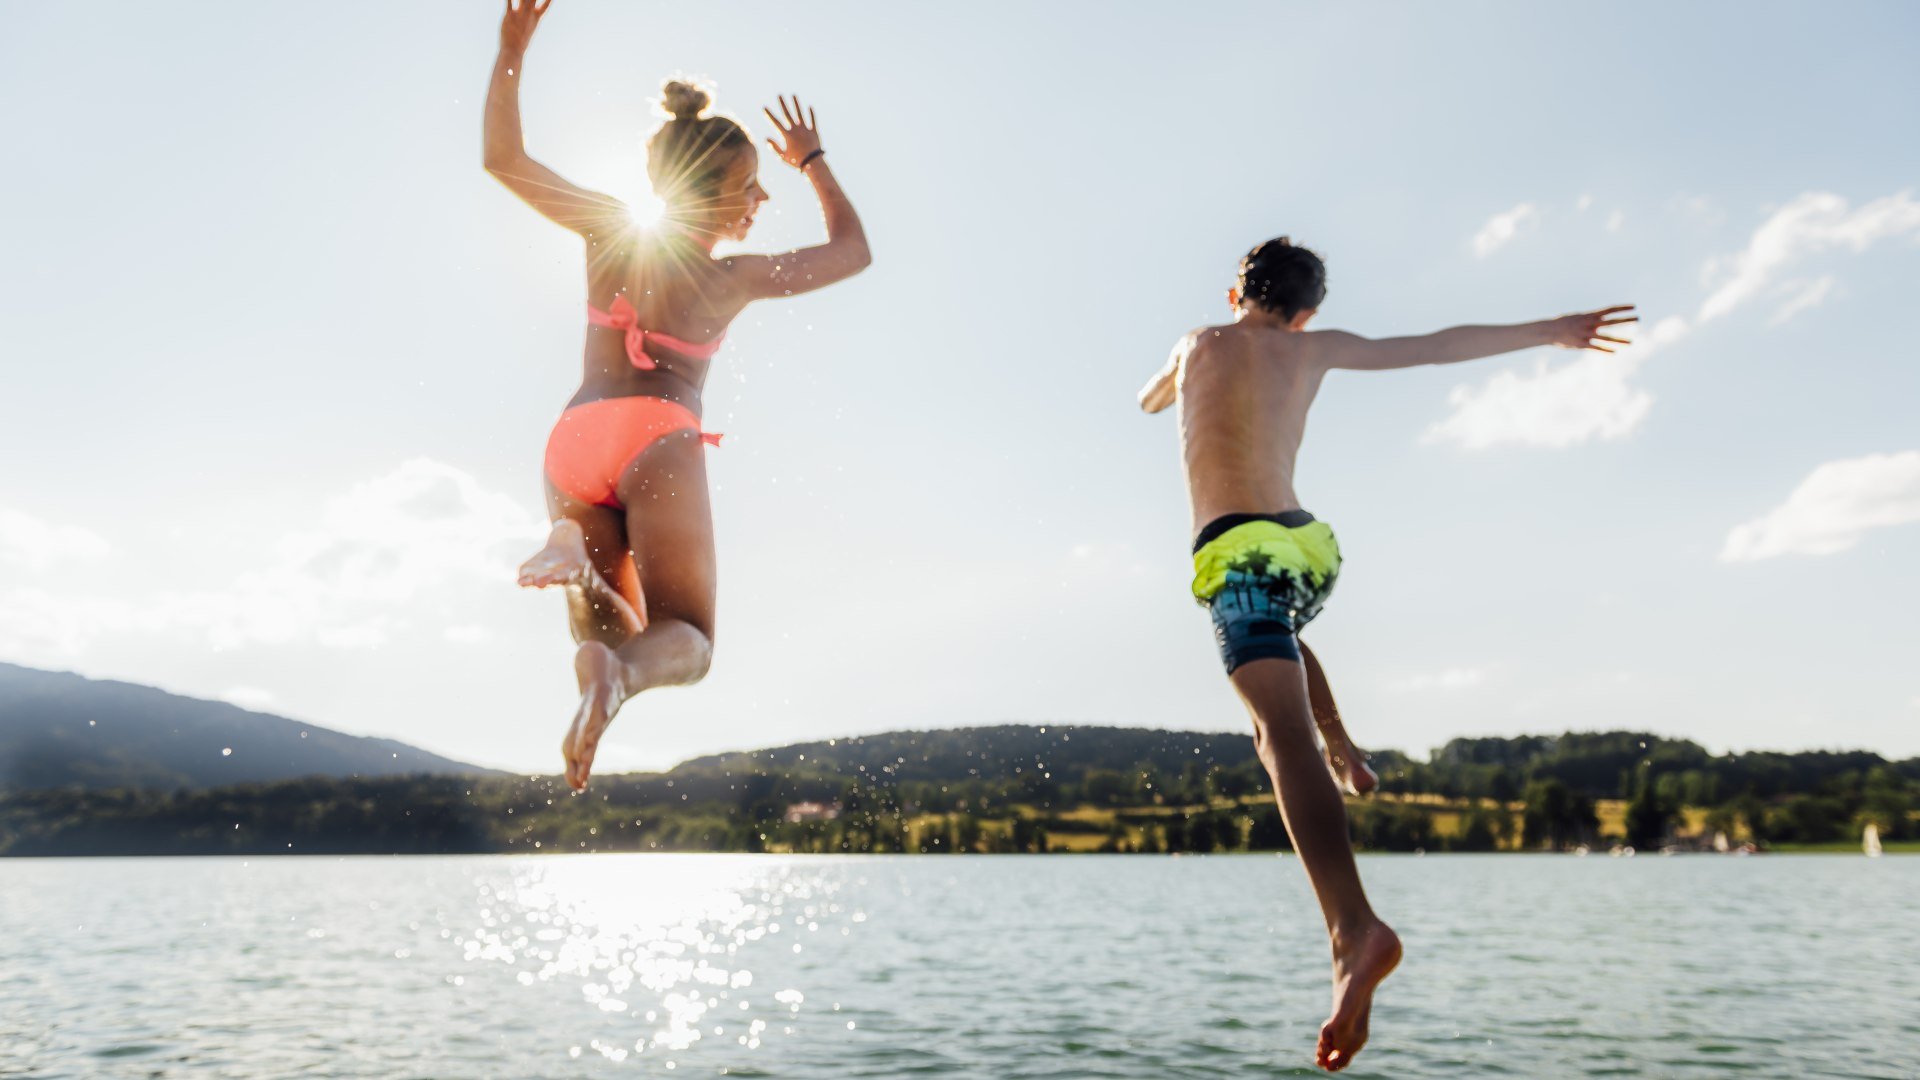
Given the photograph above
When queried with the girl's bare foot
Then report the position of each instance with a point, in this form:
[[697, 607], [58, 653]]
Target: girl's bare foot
[[601, 692], [1347, 764], [1358, 967], [563, 560]]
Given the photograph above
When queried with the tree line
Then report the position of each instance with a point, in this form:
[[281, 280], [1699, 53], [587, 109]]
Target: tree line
[[1006, 789]]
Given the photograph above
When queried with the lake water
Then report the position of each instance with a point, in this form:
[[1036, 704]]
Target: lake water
[[976, 966]]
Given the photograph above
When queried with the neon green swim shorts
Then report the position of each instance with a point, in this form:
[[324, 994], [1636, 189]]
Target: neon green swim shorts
[[1263, 577]]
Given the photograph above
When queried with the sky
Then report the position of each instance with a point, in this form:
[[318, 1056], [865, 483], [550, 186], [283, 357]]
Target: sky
[[280, 361]]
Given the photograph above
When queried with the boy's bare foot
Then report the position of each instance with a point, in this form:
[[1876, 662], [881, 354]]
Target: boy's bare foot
[[1357, 969], [599, 669], [561, 561], [1348, 764]]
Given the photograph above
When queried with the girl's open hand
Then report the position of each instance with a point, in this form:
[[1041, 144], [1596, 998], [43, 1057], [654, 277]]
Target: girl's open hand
[[800, 132], [516, 30]]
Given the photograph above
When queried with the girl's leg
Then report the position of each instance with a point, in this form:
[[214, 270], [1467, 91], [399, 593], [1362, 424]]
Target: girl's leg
[[669, 527], [586, 553], [670, 531]]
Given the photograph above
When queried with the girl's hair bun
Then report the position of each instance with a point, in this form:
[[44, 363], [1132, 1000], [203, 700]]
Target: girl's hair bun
[[684, 100]]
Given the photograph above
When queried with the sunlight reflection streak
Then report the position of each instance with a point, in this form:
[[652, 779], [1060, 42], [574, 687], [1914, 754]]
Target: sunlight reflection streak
[[660, 940]]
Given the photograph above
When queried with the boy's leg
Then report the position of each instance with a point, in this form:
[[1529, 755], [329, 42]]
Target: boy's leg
[[1365, 949], [1347, 762]]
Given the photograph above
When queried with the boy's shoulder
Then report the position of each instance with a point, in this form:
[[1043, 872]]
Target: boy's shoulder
[[1239, 340], [1207, 339]]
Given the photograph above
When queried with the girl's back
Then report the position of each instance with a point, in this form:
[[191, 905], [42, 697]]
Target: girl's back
[[676, 291]]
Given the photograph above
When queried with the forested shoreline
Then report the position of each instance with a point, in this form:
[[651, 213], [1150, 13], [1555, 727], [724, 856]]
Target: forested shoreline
[[1017, 788]]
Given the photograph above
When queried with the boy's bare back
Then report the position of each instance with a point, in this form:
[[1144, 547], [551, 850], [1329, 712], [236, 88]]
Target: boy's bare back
[[1244, 392]]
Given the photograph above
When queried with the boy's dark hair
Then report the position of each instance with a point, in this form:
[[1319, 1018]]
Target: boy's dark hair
[[1282, 278]]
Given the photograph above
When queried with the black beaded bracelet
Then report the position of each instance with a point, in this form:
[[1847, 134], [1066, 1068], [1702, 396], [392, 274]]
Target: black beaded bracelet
[[808, 160]]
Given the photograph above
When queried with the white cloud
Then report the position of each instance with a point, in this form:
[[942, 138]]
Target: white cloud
[[38, 545], [1557, 403], [346, 584], [366, 634], [1455, 678], [1553, 405], [1832, 508], [1814, 222], [1594, 397], [1502, 228], [1800, 296], [1698, 207], [423, 526], [37, 623], [1106, 560], [249, 697]]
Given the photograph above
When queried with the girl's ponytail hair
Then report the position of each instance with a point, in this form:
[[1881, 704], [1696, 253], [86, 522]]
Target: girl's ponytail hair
[[688, 155]]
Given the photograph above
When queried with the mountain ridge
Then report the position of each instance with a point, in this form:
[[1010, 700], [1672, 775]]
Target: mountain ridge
[[60, 729]]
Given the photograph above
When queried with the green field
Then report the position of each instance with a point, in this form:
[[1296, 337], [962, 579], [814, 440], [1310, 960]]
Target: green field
[[1891, 847]]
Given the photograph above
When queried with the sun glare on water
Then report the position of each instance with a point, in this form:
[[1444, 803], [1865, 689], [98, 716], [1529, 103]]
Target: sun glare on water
[[664, 949]]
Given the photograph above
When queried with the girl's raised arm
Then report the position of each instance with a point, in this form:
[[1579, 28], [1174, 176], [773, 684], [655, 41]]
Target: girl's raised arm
[[843, 255], [505, 154]]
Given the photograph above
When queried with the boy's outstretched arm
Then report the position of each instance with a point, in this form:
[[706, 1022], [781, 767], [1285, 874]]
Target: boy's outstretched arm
[[1585, 330]]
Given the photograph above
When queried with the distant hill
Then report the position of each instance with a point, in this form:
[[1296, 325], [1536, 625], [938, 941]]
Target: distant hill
[[1030, 757], [993, 753], [62, 730]]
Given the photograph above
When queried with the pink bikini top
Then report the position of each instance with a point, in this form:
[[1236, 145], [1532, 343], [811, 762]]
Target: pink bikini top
[[620, 315]]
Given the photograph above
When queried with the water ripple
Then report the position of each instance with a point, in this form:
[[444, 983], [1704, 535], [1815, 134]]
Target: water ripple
[[1004, 968]]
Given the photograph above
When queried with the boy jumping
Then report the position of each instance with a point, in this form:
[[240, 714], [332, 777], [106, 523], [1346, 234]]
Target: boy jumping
[[1264, 567]]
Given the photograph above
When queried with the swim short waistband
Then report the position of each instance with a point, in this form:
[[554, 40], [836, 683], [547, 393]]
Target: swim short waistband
[[1213, 530]]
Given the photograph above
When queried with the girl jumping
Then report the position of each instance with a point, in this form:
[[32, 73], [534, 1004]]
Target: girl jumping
[[626, 480]]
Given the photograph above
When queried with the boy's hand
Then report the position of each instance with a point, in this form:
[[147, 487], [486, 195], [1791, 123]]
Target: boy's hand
[[1583, 330]]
